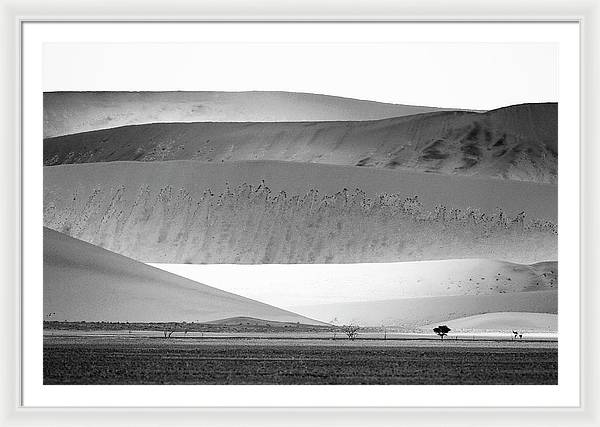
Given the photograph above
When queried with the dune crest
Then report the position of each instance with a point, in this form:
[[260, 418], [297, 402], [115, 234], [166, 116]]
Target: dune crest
[[516, 143], [75, 112]]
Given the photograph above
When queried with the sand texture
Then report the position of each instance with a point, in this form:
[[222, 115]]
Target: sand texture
[[517, 142], [164, 212]]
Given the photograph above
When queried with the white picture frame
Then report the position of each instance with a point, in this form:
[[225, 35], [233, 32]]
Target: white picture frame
[[15, 14]]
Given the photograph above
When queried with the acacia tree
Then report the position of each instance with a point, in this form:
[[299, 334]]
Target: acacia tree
[[442, 330], [351, 330]]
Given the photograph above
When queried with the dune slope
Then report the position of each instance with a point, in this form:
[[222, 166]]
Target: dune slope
[[287, 285], [503, 321], [517, 142], [163, 212], [85, 282], [414, 313], [74, 112]]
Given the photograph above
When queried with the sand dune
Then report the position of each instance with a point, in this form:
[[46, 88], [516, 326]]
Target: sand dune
[[74, 112], [517, 142], [85, 282], [504, 321], [287, 285], [536, 200], [161, 212], [408, 295], [250, 321], [414, 313]]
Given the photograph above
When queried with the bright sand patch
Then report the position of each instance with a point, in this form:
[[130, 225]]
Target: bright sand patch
[[286, 285], [504, 321], [399, 294]]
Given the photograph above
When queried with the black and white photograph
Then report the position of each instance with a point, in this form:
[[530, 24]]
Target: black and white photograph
[[301, 214]]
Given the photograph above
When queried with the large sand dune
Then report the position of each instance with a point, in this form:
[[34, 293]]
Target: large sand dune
[[161, 212], [536, 200], [288, 285], [503, 321], [517, 142], [74, 112], [85, 282], [408, 294], [414, 313]]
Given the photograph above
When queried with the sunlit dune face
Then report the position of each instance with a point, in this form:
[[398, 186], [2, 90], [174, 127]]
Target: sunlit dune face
[[305, 284]]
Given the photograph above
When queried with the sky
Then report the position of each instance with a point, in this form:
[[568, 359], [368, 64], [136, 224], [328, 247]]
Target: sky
[[463, 75]]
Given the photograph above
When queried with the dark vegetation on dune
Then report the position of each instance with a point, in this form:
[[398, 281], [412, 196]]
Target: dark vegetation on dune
[[517, 142], [251, 224]]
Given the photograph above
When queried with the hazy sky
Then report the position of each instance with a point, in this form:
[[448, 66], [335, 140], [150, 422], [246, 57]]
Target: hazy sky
[[463, 75]]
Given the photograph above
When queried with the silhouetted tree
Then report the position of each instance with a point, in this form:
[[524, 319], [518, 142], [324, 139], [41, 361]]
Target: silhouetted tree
[[442, 330], [351, 331]]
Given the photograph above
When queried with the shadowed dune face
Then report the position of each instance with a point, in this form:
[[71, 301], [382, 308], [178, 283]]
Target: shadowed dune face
[[414, 313], [74, 112], [517, 142], [85, 282], [173, 219]]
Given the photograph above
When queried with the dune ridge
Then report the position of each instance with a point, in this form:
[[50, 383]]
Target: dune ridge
[[516, 142], [74, 112]]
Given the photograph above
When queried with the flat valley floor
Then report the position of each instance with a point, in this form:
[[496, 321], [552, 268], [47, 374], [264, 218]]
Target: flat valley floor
[[148, 358]]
